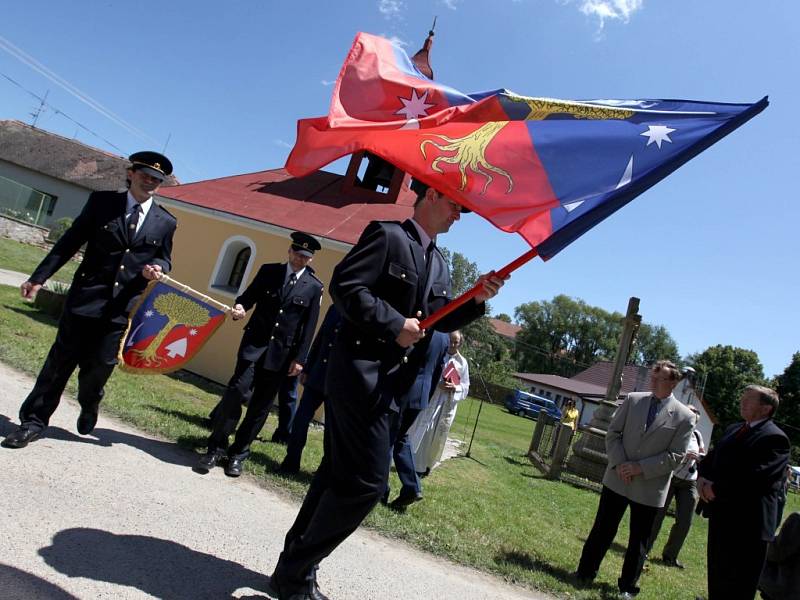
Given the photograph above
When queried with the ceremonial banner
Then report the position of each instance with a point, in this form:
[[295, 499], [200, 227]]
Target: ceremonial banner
[[544, 168], [167, 328]]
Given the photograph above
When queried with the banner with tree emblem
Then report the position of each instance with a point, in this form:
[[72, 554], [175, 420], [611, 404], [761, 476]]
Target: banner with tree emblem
[[167, 328]]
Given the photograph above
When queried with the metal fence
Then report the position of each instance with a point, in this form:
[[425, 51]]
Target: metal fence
[[576, 457]]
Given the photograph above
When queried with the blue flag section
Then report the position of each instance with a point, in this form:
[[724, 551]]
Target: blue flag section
[[166, 329]]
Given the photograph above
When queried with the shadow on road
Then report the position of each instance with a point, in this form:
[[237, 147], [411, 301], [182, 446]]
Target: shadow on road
[[167, 452], [161, 568], [15, 583]]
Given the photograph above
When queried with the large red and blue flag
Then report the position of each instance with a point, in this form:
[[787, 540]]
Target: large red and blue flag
[[545, 168], [166, 329]]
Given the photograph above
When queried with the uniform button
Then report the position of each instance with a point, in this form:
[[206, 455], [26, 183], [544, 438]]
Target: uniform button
[[324, 360], [280, 312], [116, 283], [358, 342], [276, 323], [272, 337], [122, 267], [330, 345], [405, 359], [127, 250], [402, 275]]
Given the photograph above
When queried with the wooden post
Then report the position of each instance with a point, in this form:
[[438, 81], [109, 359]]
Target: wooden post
[[631, 326]]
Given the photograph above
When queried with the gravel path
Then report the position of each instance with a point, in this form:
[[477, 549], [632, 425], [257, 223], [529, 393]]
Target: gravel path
[[120, 514]]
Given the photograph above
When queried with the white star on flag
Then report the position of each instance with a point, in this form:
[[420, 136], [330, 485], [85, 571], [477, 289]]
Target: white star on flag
[[657, 134], [414, 107], [148, 313], [193, 332]]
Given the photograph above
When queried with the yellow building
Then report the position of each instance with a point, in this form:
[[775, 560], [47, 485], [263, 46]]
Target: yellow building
[[228, 227]]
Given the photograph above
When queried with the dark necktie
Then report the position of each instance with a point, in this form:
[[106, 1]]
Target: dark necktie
[[655, 403], [742, 431], [133, 221], [289, 283]]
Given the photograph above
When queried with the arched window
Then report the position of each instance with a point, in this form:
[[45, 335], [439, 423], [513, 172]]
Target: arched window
[[233, 266], [239, 266]]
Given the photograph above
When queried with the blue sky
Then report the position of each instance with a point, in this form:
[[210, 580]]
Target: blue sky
[[711, 251]]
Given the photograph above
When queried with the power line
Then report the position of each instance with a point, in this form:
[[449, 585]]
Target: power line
[[58, 111]]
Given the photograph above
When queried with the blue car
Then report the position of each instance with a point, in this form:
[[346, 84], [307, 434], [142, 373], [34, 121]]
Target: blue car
[[529, 405]]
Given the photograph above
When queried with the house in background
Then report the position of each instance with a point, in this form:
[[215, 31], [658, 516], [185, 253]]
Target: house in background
[[45, 177], [588, 388], [506, 330]]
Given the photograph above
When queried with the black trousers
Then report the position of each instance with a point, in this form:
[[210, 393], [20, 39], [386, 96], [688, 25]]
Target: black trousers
[[609, 514], [312, 399], [401, 451], [87, 343], [264, 385], [735, 555], [348, 484], [287, 408]]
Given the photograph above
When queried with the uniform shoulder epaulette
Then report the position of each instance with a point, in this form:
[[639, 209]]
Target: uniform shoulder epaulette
[[169, 214]]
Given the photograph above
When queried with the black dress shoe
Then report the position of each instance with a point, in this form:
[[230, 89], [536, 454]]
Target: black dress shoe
[[86, 422], [209, 460], [234, 467], [21, 438], [406, 499], [673, 562], [309, 591]]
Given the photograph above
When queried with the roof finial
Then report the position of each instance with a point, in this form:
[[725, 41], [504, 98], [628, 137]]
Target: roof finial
[[421, 58]]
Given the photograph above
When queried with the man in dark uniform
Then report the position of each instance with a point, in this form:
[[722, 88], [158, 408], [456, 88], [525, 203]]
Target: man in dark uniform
[[413, 403], [392, 277], [313, 380], [739, 484], [274, 345], [128, 241]]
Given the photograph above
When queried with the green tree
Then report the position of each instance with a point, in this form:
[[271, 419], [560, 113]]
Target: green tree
[[727, 370], [487, 352], [653, 342], [788, 386], [503, 317]]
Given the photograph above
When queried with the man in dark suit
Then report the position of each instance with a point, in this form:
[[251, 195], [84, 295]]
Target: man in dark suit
[[274, 346], [646, 439], [739, 483], [128, 241], [390, 279], [412, 403], [313, 380]]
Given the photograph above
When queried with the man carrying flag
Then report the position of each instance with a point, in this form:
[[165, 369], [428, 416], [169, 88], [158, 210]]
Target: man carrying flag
[[128, 241], [274, 346], [392, 277]]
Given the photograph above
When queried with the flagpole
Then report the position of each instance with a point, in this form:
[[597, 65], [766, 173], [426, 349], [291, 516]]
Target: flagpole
[[185, 288], [471, 293]]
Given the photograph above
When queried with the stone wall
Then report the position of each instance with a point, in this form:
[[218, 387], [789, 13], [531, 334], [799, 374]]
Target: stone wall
[[22, 231]]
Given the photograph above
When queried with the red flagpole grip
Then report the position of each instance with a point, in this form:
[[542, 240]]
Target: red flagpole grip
[[472, 292]]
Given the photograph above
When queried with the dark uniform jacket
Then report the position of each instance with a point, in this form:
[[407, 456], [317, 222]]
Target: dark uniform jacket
[[109, 279], [430, 374], [317, 364], [383, 280], [282, 325], [747, 473]]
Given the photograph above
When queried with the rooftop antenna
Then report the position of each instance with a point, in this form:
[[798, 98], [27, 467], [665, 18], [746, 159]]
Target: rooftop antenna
[[35, 114]]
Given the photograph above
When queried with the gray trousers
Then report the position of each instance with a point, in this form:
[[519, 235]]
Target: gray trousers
[[685, 493]]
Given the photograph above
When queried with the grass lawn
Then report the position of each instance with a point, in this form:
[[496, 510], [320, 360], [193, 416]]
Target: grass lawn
[[16, 256], [491, 511]]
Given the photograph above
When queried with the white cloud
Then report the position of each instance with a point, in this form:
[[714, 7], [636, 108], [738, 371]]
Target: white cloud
[[397, 41], [281, 143], [391, 9], [619, 10], [325, 82], [451, 4]]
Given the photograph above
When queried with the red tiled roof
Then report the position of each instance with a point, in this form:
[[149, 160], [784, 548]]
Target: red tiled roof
[[314, 203], [635, 378], [507, 330], [581, 388]]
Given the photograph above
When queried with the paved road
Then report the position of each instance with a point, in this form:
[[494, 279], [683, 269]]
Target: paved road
[[120, 515]]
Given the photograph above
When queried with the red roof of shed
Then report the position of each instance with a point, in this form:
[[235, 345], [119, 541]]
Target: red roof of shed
[[314, 204]]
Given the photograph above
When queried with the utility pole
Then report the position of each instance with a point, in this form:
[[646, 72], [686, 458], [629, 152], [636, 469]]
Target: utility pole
[[631, 326]]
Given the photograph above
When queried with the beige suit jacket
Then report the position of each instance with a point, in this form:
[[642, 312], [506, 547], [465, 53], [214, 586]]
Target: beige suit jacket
[[658, 450]]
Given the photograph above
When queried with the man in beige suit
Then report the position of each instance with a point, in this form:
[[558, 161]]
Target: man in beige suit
[[646, 440]]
